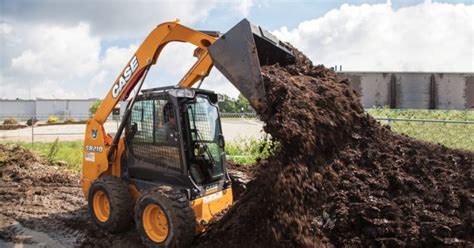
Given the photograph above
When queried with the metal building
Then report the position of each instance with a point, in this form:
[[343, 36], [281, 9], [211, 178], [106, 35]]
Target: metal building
[[415, 90], [42, 108]]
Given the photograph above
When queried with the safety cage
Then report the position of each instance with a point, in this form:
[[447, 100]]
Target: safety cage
[[152, 132], [157, 132]]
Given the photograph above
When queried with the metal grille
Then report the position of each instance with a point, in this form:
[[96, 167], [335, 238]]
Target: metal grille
[[153, 133]]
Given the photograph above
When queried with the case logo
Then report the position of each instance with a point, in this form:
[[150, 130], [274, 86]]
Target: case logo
[[125, 77]]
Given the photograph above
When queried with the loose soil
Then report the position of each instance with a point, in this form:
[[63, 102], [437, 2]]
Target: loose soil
[[341, 179], [43, 206]]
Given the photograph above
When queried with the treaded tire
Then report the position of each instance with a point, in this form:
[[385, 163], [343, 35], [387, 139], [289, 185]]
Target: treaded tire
[[120, 201], [180, 215]]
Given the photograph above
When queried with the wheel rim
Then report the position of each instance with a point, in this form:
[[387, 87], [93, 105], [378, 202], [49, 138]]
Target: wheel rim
[[101, 206], [155, 223]]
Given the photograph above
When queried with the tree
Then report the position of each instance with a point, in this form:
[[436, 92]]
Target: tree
[[242, 105], [93, 108], [231, 105]]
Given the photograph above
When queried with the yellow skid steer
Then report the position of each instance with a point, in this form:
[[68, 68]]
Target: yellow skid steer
[[165, 167]]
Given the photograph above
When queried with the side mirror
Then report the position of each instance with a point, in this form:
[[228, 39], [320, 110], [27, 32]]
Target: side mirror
[[221, 141]]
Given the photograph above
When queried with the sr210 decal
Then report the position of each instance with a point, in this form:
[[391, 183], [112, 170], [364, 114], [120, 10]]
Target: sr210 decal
[[94, 148]]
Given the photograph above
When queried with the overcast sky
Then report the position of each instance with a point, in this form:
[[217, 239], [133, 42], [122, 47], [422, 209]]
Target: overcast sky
[[76, 49]]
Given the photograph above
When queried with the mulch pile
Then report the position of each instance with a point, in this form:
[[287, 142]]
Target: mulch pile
[[340, 179]]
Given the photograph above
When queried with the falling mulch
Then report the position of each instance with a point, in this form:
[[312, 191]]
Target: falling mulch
[[340, 179], [240, 175]]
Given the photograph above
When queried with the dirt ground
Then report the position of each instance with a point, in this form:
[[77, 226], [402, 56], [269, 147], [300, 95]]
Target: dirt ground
[[42, 205]]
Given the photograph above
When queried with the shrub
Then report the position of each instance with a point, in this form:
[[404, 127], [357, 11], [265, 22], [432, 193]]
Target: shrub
[[31, 121], [10, 121], [249, 150], [53, 150], [53, 119], [93, 108]]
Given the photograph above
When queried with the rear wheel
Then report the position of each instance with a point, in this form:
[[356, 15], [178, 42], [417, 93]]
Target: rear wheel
[[111, 204], [164, 218]]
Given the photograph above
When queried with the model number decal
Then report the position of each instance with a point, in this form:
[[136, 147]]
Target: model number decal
[[212, 197], [94, 148], [125, 77]]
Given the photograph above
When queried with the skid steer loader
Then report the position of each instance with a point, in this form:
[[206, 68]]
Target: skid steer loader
[[165, 167]]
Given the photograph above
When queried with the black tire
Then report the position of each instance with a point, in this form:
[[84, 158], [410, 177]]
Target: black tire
[[120, 202], [180, 216]]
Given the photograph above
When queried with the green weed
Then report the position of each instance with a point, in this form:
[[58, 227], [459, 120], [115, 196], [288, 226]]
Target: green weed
[[67, 151]]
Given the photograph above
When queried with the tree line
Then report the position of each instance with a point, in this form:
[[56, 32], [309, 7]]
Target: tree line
[[232, 105]]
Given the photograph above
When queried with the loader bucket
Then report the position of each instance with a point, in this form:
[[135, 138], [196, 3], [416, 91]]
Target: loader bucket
[[240, 53]]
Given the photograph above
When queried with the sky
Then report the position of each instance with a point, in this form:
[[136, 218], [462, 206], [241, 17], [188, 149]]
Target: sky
[[77, 48]]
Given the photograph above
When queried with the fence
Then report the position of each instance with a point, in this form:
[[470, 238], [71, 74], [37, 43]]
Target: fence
[[45, 117], [455, 134], [451, 133]]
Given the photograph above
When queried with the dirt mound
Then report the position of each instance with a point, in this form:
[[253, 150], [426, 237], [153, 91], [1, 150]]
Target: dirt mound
[[341, 179], [20, 166], [42, 205]]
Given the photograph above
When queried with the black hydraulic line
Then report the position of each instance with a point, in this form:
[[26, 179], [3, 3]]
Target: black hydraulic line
[[128, 111], [200, 83], [211, 33]]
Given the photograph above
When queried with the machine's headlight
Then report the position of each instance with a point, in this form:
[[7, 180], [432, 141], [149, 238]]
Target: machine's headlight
[[185, 93]]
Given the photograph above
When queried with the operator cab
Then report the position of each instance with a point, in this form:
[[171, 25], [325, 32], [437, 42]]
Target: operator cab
[[174, 137]]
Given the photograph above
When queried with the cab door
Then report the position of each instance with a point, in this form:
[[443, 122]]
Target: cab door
[[153, 141]]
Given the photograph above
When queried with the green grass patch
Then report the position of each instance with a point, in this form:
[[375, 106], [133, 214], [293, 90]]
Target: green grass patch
[[454, 135], [247, 151], [460, 136], [453, 115], [67, 151]]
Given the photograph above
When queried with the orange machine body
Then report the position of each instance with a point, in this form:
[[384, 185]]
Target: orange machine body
[[97, 142]]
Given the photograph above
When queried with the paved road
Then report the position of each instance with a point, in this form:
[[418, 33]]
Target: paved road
[[233, 131]]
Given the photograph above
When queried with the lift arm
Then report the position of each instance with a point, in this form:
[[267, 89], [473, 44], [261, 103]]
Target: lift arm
[[147, 55], [99, 148]]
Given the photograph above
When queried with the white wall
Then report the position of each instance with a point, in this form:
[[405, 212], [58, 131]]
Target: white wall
[[21, 109]]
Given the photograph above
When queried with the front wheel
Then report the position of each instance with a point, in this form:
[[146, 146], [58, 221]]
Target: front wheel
[[110, 204], [164, 218]]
